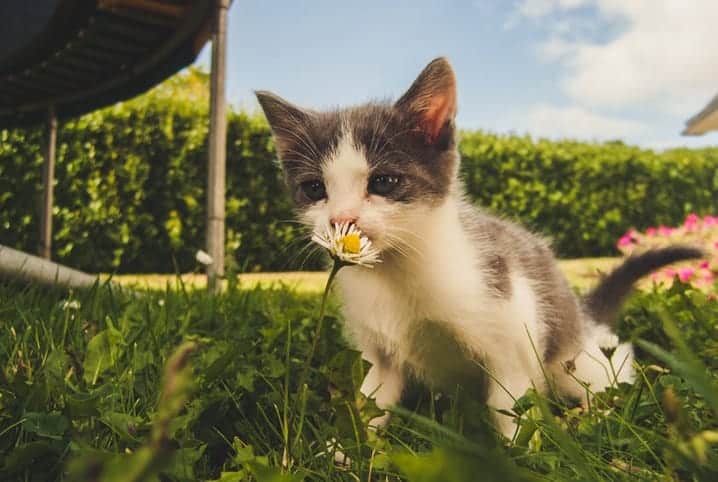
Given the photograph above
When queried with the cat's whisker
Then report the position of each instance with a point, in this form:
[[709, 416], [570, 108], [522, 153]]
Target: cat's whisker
[[405, 233], [293, 260], [412, 233], [395, 248], [310, 140], [387, 158], [389, 142], [293, 221], [376, 135], [308, 245], [396, 243], [305, 140], [397, 134], [306, 223], [407, 253], [312, 251], [406, 249], [301, 159]]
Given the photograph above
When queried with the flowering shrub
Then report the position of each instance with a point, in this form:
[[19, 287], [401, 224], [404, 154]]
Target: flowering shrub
[[695, 231]]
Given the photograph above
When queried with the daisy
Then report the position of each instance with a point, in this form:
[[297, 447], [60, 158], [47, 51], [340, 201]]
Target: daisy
[[203, 257], [608, 342], [347, 245], [70, 305]]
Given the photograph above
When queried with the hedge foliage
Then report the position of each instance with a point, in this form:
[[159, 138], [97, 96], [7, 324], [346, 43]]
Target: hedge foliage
[[585, 195], [130, 187]]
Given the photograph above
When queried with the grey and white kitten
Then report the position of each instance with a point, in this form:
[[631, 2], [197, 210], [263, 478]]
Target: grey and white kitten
[[459, 291]]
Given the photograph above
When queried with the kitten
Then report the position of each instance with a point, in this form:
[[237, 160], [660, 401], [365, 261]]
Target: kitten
[[459, 291]]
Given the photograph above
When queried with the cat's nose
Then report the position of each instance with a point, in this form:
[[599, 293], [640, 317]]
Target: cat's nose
[[343, 219]]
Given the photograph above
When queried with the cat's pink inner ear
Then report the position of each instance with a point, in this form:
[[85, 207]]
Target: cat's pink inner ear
[[440, 109], [431, 99]]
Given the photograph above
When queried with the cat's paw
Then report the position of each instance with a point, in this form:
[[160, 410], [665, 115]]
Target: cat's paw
[[333, 447]]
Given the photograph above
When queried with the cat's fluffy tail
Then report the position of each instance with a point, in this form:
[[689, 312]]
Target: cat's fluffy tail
[[605, 300]]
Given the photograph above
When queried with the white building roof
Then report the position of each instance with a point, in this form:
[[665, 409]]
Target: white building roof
[[704, 121]]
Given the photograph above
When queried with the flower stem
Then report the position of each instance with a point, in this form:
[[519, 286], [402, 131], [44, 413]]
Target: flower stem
[[318, 333]]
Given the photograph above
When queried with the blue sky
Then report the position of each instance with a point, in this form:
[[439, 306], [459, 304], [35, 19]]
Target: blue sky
[[587, 69]]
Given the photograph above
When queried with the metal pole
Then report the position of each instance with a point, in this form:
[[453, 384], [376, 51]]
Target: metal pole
[[217, 148], [18, 265], [48, 177]]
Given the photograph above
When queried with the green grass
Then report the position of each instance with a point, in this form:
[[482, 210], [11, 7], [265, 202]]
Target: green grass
[[90, 390], [582, 273]]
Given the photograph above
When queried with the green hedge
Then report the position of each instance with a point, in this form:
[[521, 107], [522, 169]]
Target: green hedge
[[585, 195], [130, 186], [131, 181]]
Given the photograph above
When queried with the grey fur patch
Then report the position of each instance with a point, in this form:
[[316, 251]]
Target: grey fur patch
[[604, 301], [558, 308], [499, 280]]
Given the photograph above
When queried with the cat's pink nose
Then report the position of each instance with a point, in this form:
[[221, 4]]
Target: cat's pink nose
[[343, 219]]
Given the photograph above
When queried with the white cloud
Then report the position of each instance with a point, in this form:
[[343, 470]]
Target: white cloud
[[662, 60], [540, 8], [546, 120], [556, 48], [536, 9]]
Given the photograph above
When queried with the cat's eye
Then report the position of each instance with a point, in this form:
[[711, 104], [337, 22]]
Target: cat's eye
[[383, 184], [314, 190]]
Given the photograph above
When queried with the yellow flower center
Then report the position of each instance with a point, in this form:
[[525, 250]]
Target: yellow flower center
[[351, 243]]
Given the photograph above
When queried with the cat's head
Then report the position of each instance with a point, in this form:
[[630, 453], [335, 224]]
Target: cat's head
[[381, 166]]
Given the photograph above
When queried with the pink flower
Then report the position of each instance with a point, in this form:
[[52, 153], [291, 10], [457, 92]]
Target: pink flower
[[691, 222], [684, 274], [670, 272], [651, 231], [710, 220], [625, 240], [664, 230], [704, 265]]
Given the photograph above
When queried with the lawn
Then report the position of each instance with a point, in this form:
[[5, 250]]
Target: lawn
[[582, 273], [175, 384]]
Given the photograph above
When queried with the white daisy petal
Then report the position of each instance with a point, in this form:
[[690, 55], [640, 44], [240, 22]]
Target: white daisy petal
[[608, 341], [334, 240], [203, 257]]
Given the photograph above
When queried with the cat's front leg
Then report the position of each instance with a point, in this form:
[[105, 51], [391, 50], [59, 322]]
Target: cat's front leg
[[505, 387], [384, 382]]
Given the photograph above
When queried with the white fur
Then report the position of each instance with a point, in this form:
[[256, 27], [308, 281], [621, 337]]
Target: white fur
[[346, 173], [592, 371], [428, 308]]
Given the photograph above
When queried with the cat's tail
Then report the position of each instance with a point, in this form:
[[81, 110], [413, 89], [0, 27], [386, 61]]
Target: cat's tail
[[605, 300]]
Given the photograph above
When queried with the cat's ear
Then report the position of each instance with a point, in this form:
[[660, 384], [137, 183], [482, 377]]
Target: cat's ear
[[431, 100], [284, 118]]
